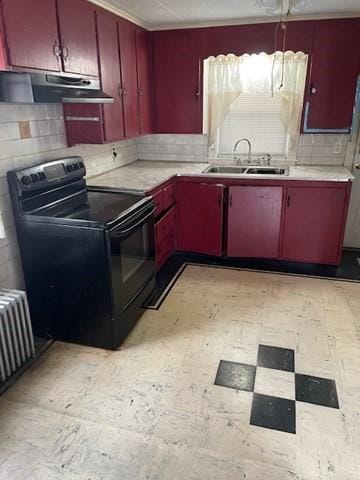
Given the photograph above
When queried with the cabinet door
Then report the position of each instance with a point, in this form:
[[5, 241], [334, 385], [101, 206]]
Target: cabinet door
[[177, 72], [109, 61], [335, 67], [32, 34], [200, 217], [78, 37], [254, 220], [144, 70], [127, 38], [314, 224]]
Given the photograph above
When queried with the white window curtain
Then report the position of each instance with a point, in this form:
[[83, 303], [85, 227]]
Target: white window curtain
[[227, 77]]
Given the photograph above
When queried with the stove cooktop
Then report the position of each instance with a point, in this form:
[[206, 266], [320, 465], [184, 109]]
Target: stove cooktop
[[102, 208]]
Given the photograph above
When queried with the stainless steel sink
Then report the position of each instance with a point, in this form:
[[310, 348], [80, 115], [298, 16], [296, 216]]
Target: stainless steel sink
[[225, 169], [267, 171], [251, 170]]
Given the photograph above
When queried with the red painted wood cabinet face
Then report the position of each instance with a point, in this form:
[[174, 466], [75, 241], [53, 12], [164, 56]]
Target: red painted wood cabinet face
[[178, 89], [32, 34], [334, 71], [200, 217], [78, 37], [109, 62], [254, 221], [145, 80], [127, 40], [36, 40], [314, 224]]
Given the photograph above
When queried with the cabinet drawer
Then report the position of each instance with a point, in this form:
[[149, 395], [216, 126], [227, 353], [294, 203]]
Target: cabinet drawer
[[169, 196], [165, 226], [165, 250], [159, 202]]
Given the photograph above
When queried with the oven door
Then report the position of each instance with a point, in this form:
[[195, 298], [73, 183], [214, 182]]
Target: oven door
[[132, 257]]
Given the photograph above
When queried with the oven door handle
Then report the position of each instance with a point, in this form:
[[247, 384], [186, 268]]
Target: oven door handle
[[135, 225]]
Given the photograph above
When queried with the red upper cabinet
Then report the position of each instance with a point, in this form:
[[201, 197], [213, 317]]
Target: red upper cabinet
[[32, 34], [145, 83], [51, 35], [78, 36], [314, 224], [334, 70], [109, 62], [127, 40], [200, 217], [254, 221], [178, 81]]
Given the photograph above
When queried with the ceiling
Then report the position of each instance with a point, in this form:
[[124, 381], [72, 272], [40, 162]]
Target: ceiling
[[163, 14]]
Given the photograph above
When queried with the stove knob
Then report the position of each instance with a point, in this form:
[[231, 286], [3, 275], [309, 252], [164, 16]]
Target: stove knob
[[42, 176], [34, 177], [75, 166], [80, 164], [69, 168], [26, 180]]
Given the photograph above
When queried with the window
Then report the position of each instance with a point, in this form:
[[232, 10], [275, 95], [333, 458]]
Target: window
[[258, 97], [255, 116]]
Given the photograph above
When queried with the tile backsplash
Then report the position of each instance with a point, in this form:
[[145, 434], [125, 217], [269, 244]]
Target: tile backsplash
[[321, 149], [173, 147], [35, 133]]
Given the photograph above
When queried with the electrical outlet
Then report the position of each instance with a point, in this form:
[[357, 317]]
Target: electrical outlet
[[338, 147], [114, 153]]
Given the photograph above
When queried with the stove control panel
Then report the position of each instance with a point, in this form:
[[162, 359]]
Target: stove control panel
[[55, 172]]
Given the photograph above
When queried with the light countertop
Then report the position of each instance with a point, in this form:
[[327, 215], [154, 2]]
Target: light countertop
[[146, 175]]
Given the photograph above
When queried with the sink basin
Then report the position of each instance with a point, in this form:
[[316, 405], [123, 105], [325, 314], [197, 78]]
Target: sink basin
[[225, 169], [251, 170], [267, 171]]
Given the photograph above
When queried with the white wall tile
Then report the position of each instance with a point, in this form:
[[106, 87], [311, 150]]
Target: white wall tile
[[322, 149]]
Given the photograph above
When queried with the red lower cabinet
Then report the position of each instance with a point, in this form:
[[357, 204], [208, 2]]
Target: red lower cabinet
[[165, 237], [164, 198], [254, 221], [200, 217], [314, 224]]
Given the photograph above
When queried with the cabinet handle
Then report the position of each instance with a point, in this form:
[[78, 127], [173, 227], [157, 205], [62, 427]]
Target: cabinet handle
[[57, 50], [357, 166], [65, 52], [197, 92], [288, 202], [140, 93], [124, 93], [312, 89], [119, 91]]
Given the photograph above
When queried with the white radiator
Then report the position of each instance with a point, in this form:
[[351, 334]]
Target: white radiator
[[16, 337]]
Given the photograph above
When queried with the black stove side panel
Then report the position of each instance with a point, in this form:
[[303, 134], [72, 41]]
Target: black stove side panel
[[67, 282]]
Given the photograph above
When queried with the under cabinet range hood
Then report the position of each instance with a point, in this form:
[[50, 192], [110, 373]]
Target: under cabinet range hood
[[50, 88]]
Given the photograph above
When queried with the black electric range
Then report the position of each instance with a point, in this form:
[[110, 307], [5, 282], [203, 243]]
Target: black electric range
[[88, 255]]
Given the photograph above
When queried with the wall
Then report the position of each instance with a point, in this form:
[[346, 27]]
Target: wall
[[35, 133]]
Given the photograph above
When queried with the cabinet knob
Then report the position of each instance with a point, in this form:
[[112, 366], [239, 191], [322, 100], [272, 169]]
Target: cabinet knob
[[197, 92], [357, 166]]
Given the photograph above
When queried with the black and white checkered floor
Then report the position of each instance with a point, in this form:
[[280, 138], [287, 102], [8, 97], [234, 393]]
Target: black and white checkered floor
[[276, 387]]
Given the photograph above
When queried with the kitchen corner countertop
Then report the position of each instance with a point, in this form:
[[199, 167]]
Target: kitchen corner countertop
[[143, 176]]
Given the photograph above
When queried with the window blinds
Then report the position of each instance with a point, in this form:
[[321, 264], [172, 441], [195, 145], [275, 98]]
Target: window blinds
[[255, 116]]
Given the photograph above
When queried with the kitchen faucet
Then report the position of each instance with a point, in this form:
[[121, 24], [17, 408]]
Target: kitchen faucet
[[249, 153]]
